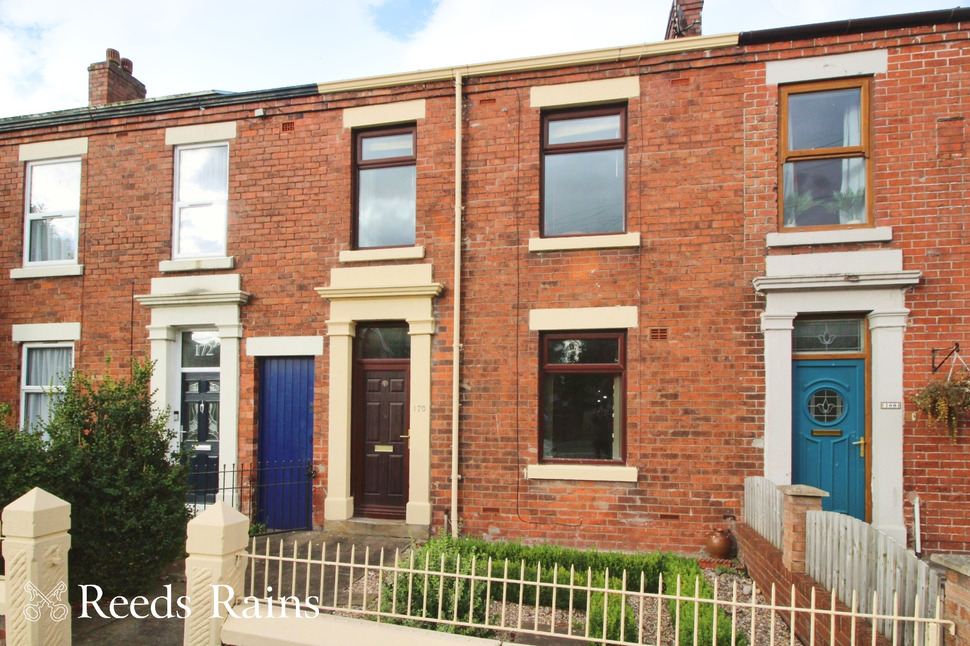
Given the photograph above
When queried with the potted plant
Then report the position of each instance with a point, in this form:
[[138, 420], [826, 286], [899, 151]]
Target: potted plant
[[795, 205], [944, 401], [849, 204]]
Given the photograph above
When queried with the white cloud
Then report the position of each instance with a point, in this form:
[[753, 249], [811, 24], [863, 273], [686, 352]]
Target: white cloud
[[180, 46]]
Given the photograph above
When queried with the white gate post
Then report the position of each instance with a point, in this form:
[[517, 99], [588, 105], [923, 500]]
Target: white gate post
[[214, 571], [35, 546]]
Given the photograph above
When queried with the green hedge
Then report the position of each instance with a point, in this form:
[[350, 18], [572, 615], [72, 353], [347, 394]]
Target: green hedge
[[538, 563], [106, 453]]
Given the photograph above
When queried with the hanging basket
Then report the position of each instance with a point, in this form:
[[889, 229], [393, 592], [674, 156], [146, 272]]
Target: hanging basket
[[945, 401]]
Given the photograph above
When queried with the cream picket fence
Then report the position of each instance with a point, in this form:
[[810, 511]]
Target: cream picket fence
[[311, 580]]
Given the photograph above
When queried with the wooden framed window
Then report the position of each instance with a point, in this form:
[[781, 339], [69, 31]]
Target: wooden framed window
[[584, 172], [582, 396], [824, 154], [386, 188]]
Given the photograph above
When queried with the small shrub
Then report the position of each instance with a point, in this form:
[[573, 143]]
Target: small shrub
[[113, 463], [612, 610], [23, 460], [690, 572], [428, 592]]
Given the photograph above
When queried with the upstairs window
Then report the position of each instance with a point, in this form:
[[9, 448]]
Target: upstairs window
[[386, 178], [582, 396], [201, 200], [53, 206], [584, 172], [46, 369], [825, 152]]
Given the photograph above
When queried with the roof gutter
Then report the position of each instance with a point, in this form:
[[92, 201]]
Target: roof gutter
[[151, 107], [592, 57], [855, 26], [205, 100]]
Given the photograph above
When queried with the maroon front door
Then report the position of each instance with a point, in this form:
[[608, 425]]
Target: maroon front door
[[380, 467]]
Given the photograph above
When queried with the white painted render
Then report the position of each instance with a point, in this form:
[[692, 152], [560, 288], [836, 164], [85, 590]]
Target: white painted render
[[54, 149], [563, 94], [795, 70], [584, 318], [384, 113], [376, 294], [200, 134], [876, 288], [46, 332]]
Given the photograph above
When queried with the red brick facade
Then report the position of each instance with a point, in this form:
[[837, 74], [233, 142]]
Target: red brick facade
[[702, 193]]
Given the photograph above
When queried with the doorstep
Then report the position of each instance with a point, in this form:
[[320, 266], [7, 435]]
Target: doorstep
[[378, 527]]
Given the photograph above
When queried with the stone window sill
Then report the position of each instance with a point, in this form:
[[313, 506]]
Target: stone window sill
[[47, 271], [613, 241], [196, 264], [605, 473]]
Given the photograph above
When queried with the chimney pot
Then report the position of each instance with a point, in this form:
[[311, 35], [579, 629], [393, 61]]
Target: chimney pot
[[110, 81]]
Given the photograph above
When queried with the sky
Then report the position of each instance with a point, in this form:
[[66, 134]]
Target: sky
[[182, 46]]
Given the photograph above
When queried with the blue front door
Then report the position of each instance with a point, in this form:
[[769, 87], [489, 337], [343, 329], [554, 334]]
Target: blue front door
[[829, 431], [285, 467]]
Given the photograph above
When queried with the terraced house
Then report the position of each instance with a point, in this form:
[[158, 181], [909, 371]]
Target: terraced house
[[575, 298]]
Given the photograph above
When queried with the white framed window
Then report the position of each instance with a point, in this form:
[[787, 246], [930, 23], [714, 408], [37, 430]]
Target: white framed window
[[201, 201], [45, 370], [53, 205]]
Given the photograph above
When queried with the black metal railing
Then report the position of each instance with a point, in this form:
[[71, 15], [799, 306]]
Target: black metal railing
[[276, 496]]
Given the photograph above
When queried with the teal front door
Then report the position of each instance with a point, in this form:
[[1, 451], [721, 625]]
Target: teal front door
[[829, 431]]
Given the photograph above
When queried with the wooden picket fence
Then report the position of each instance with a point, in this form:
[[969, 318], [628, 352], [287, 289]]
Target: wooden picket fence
[[763, 508], [851, 557]]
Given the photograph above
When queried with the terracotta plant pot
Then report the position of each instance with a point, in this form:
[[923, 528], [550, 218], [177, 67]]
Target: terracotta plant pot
[[719, 544]]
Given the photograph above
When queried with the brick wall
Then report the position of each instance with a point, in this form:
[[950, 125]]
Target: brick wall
[[765, 564], [702, 193], [957, 605]]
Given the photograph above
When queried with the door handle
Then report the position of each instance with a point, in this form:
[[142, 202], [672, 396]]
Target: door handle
[[862, 447]]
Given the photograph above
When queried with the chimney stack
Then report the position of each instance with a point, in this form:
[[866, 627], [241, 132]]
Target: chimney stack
[[685, 19], [111, 81]]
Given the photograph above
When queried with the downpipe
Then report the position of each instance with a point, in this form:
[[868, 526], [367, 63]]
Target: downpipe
[[456, 316]]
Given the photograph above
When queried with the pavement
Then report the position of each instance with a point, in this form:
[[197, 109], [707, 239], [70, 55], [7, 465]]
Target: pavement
[[152, 631]]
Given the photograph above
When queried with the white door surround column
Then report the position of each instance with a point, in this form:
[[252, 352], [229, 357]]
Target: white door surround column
[[870, 283]]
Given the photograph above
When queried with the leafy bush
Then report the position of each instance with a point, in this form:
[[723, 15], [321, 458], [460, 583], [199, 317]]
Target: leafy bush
[[109, 457], [23, 460]]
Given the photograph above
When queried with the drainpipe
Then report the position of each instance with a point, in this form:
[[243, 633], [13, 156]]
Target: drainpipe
[[456, 316], [916, 529]]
